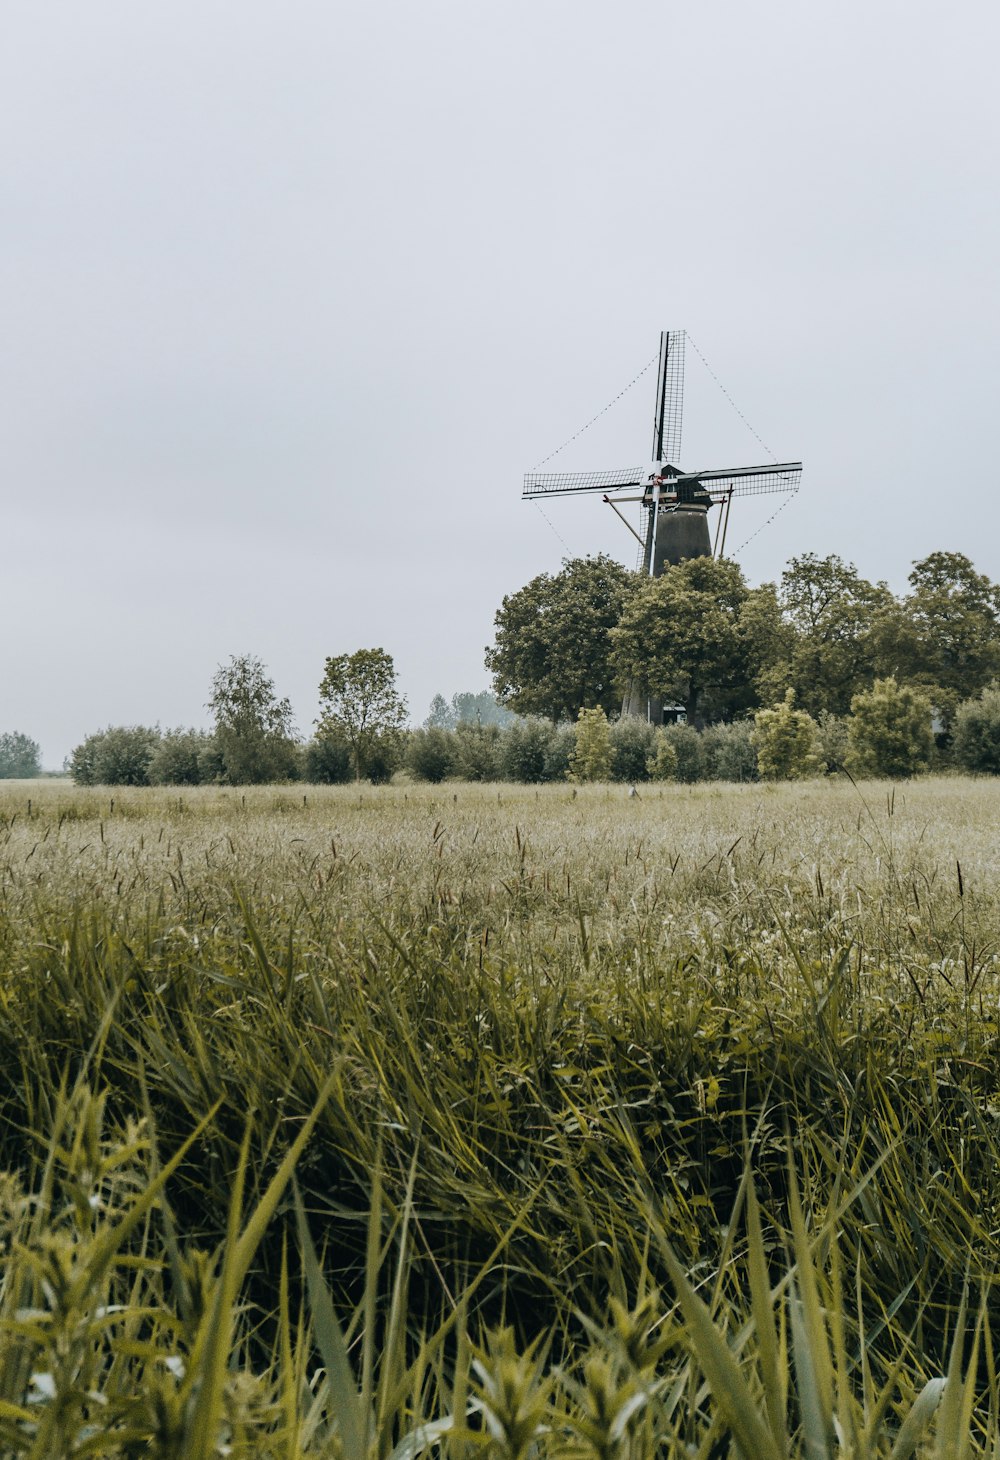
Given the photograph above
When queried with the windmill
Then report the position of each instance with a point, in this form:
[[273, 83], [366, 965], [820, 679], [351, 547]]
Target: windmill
[[674, 503]]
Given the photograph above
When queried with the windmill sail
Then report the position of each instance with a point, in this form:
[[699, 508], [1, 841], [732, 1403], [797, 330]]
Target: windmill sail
[[547, 483], [669, 397]]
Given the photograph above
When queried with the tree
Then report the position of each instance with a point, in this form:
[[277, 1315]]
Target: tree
[[890, 731], [833, 612], [361, 702], [480, 709], [20, 757], [441, 716], [946, 633], [552, 654], [591, 757], [976, 733], [253, 727], [787, 742], [117, 756], [680, 634]]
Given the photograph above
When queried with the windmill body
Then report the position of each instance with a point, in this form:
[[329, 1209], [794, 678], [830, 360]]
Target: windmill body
[[674, 504]]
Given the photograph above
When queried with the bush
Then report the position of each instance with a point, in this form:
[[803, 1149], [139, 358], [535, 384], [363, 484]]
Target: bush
[[592, 753], [690, 752], [976, 733], [834, 740], [177, 758], [327, 761], [524, 750], [787, 742], [558, 752], [477, 752], [633, 742], [20, 757], [890, 732], [430, 754], [729, 751], [118, 756], [662, 764]]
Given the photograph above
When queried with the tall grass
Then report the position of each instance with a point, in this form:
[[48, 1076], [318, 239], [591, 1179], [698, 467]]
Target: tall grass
[[578, 1085]]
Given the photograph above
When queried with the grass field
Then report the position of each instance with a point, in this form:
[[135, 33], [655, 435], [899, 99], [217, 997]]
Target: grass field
[[621, 1126]]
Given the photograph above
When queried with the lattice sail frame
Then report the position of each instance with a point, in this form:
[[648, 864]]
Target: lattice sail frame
[[742, 481]]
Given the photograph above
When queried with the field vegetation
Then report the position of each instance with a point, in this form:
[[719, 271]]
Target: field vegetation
[[364, 1121]]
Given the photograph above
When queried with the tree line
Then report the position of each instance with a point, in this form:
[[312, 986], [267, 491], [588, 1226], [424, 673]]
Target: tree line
[[821, 671]]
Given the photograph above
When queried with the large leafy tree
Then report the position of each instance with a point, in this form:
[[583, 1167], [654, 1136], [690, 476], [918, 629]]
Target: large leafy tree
[[552, 654], [681, 635], [361, 704], [948, 629], [253, 728], [832, 611]]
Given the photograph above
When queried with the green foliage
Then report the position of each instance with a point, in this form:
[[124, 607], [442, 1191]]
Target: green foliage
[[954, 639], [118, 756], [480, 709], [592, 753], [20, 756], [440, 716], [430, 754], [976, 733], [183, 758], [834, 740], [680, 634], [689, 747], [614, 1129], [525, 750], [477, 752], [787, 742], [729, 752], [834, 613], [253, 728], [890, 731], [662, 764], [633, 741], [552, 654], [361, 703], [328, 761]]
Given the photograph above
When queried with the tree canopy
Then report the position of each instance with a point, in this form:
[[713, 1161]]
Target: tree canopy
[[553, 650]]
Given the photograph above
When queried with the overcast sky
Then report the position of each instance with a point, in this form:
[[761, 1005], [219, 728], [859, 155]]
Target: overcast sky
[[293, 293]]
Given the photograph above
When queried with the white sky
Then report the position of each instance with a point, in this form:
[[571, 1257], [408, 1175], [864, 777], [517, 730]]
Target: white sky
[[292, 295]]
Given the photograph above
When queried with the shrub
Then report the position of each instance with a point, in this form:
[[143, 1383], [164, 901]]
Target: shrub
[[730, 753], [477, 752], [591, 758], [890, 731], [524, 750], [662, 764], [177, 758], [20, 757], [832, 731], [562, 743], [976, 733], [118, 756], [430, 754], [328, 761], [787, 742], [633, 741], [687, 743]]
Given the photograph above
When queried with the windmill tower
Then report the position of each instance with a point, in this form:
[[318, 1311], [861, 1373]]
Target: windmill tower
[[674, 504]]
